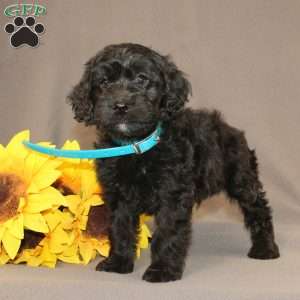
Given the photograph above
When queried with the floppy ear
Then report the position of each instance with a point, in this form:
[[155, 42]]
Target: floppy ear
[[80, 96], [177, 90]]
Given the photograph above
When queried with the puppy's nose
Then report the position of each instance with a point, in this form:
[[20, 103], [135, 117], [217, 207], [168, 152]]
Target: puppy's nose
[[120, 107]]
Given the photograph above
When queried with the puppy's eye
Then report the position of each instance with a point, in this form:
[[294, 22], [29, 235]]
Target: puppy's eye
[[104, 82], [142, 79]]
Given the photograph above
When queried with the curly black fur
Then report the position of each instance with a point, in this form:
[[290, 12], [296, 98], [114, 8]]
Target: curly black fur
[[125, 91]]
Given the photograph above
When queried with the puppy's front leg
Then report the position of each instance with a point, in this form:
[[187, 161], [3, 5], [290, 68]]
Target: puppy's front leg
[[122, 235], [170, 244]]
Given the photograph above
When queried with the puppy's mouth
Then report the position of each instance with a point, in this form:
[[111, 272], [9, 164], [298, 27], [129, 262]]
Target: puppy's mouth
[[129, 131], [134, 129]]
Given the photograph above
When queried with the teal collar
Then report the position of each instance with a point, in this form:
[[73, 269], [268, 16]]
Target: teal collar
[[134, 148]]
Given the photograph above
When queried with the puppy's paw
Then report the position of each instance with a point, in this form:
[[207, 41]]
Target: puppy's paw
[[115, 264], [156, 273], [264, 251]]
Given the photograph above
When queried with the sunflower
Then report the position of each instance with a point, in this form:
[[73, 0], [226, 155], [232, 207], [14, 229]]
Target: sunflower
[[91, 238], [98, 225], [25, 192], [60, 242], [84, 248], [65, 240], [74, 220], [77, 175], [39, 256], [46, 251], [91, 218]]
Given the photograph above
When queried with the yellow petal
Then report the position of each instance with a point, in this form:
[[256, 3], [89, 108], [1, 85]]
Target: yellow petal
[[22, 203], [95, 200], [67, 220], [16, 148], [4, 258], [45, 178], [37, 204], [37, 162], [35, 222], [71, 250], [86, 252], [15, 165], [2, 150], [34, 261], [86, 209], [83, 222], [138, 252], [92, 201], [48, 164], [53, 218], [146, 230], [32, 257], [58, 241], [103, 249], [89, 185], [17, 227], [49, 259], [33, 163], [49, 264], [57, 198], [11, 244], [143, 241], [145, 218], [47, 198], [70, 174], [144, 237], [33, 188], [73, 202], [71, 145], [22, 257], [70, 254], [70, 259]]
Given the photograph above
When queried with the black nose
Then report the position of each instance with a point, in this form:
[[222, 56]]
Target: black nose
[[121, 107]]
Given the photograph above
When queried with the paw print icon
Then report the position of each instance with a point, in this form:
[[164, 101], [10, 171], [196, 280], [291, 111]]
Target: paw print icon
[[24, 31]]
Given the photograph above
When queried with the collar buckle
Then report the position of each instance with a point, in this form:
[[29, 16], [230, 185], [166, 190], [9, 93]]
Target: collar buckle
[[137, 148]]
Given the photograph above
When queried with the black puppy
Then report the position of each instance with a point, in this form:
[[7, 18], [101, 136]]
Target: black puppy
[[126, 90]]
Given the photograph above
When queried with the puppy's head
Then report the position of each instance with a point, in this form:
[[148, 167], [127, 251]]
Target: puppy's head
[[127, 89]]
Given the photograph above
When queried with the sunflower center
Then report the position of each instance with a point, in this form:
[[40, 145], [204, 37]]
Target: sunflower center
[[98, 222], [31, 239], [11, 189], [63, 188]]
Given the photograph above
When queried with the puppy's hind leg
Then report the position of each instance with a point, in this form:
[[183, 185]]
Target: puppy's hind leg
[[244, 186]]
